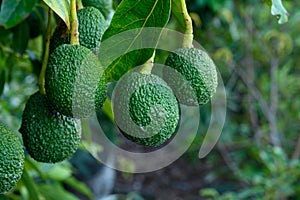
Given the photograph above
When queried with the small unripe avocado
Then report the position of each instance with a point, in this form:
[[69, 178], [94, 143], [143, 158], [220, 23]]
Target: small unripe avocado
[[145, 109], [105, 6], [11, 159], [91, 26], [74, 81], [48, 136], [192, 75]]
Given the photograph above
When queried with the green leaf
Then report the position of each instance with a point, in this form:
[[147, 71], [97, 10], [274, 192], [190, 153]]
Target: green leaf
[[21, 37], [177, 14], [2, 80], [54, 192], [60, 172], [132, 15], [79, 186], [61, 8], [278, 9], [14, 11], [30, 185]]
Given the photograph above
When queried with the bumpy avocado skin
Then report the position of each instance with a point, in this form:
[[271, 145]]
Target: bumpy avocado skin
[[11, 159], [91, 26], [104, 6], [74, 81], [151, 105], [192, 76], [48, 136]]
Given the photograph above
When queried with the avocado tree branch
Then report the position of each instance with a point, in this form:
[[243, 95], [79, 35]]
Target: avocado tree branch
[[79, 4], [46, 54], [74, 24], [181, 14], [147, 66]]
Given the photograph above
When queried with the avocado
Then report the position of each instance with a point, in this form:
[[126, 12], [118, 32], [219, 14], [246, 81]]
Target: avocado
[[48, 136], [91, 26], [11, 159], [104, 6], [74, 81], [192, 75], [145, 109]]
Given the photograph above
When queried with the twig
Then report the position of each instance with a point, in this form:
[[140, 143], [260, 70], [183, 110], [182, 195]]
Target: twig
[[46, 54]]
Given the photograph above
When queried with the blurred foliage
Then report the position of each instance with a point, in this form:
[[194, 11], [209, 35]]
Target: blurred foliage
[[258, 154]]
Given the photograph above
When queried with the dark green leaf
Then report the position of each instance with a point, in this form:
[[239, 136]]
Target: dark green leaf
[[21, 37], [30, 185], [55, 192], [132, 14], [61, 8], [177, 13], [14, 11], [79, 186], [2, 80]]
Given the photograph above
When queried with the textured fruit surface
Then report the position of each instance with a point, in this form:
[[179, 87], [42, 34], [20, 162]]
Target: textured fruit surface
[[74, 81], [91, 26], [105, 6], [48, 136], [194, 78], [145, 109], [11, 159]]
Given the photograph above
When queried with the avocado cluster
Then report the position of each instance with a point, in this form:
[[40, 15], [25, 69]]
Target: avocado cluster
[[11, 159], [75, 88], [145, 109], [192, 75], [48, 135], [74, 82], [91, 26]]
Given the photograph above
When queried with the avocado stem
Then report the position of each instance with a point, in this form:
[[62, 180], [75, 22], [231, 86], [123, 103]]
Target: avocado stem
[[46, 53], [188, 32], [79, 4], [146, 68], [74, 24]]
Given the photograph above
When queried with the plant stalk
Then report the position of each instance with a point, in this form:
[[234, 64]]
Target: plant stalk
[[74, 24], [147, 66], [46, 53], [188, 33]]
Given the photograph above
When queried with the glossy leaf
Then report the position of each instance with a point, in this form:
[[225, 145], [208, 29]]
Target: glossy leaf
[[130, 15], [61, 8], [14, 11]]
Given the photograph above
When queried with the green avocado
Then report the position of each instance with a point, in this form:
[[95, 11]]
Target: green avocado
[[74, 81], [104, 6], [11, 159], [91, 26], [48, 136], [145, 109], [192, 75]]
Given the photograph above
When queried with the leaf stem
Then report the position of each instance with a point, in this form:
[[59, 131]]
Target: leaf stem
[[188, 37], [146, 68], [46, 53], [74, 24], [182, 16], [79, 4]]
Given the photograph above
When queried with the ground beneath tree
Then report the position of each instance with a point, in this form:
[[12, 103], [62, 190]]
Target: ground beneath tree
[[179, 181]]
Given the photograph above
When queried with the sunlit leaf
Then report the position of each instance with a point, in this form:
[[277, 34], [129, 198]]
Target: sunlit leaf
[[61, 8]]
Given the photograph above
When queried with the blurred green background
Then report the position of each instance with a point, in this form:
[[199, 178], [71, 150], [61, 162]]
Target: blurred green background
[[257, 156]]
